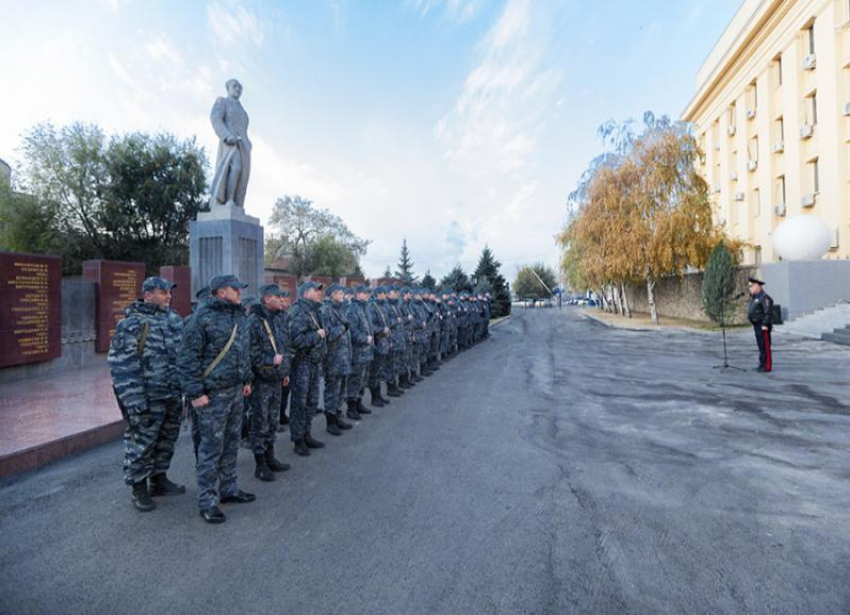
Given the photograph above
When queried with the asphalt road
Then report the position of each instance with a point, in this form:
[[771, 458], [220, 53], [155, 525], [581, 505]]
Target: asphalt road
[[561, 467]]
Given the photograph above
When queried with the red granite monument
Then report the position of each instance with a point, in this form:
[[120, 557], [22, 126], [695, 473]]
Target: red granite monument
[[117, 285], [181, 295], [30, 308]]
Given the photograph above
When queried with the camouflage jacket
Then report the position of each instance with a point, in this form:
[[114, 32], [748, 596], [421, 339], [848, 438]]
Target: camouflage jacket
[[338, 358], [143, 355], [262, 351], [360, 327], [397, 321], [304, 323], [204, 337], [420, 321], [380, 319]]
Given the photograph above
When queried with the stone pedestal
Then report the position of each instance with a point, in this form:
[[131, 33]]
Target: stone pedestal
[[226, 240], [801, 287]]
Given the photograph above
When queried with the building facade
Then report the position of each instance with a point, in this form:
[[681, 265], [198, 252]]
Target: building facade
[[772, 115]]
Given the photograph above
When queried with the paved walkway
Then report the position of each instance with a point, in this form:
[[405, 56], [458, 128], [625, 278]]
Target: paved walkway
[[561, 467], [45, 420]]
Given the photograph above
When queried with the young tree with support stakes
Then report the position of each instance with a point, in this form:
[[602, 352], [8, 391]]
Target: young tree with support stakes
[[405, 266]]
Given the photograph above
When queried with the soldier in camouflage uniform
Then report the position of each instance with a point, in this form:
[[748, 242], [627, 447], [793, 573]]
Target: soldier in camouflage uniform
[[337, 364], [215, 372], [142, 360], [362, 351], [380, 369], [307, 337], [399, 344], [270, 361], [201, 297], [420, 333], [404, 380], [284, 391]]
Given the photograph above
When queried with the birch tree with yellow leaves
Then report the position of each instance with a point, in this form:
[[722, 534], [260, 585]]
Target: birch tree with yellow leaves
[[642, 212]]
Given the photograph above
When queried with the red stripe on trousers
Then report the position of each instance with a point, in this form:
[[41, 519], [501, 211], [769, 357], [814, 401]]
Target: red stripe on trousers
[[767, 347]]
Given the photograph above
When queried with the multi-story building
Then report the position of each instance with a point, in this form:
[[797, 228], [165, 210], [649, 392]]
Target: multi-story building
[[772, 114]]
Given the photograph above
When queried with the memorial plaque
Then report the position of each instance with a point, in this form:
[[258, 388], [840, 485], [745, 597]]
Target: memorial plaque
[[286, 282], [181, 295], [117, 285], [30, 308]]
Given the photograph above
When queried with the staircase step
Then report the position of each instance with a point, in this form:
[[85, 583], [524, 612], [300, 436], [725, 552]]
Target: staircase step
[[836, 338]]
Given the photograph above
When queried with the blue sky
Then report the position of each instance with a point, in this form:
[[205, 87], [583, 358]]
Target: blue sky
[[453, 123]]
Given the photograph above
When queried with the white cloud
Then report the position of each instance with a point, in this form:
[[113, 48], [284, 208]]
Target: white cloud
[[233, 24], [457, 11]]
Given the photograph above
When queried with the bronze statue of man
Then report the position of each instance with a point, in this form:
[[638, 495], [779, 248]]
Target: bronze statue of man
[[233, 163]]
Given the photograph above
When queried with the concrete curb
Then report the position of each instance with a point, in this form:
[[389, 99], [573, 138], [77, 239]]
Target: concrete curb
[[48, 452], [612, 325], [501, 320]]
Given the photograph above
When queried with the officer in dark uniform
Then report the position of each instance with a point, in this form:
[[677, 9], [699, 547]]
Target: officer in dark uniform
[[760, 315]]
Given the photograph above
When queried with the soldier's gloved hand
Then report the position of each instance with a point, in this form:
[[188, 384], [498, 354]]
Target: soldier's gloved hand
[[201, 401]]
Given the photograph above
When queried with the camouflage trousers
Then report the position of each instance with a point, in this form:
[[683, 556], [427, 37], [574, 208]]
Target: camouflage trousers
[[380, 370], [149, 439], [421, 352], [434, 345], [304, 396], [335, 390], [265, 414], [399, 363], [219, 423], [357, 380]]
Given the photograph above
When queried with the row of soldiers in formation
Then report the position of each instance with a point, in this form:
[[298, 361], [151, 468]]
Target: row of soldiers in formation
[[231, 362]]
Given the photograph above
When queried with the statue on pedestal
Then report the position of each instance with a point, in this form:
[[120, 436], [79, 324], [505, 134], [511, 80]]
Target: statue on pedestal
[[233, 163]]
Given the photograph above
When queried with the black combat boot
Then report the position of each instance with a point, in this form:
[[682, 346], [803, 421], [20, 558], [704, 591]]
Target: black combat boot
[[393, 390], [377, 400], [142, 499], [416, 377], [240, 497], [160, 485], [301, 448], [352, 412], [341, 423], [311, 442], [361, 409], [213, 515], [263, 471], [332, 428], [273, 463], [403, 382]]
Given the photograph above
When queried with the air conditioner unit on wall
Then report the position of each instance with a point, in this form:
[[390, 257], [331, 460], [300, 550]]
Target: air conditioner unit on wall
[[810, 62], [808, 200], [847, 108], [740, 196], [731, 130], [751, 114], [752, 165], [779, 147], [806, 131], [734, 176], [716, 188], [779, 209]]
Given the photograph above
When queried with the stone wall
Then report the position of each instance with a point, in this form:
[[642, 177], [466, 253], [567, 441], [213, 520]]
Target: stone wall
[[78, 334], [681, 297]]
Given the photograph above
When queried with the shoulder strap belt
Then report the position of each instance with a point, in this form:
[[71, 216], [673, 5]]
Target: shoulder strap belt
[[223, 352], [269, 333]]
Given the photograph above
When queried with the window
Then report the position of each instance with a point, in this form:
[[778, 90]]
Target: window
[[780, 130], [756, 203], [780, 190], [777, 64], [757, 256], [810, 109], [815, 171], [753, 97], [753, 149], [810, 36]]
